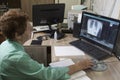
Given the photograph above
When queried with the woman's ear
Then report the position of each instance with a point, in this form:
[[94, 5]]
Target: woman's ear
[[18, 37], [2, 37]]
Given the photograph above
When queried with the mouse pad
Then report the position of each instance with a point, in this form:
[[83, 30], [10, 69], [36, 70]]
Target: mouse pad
[[98, 65]]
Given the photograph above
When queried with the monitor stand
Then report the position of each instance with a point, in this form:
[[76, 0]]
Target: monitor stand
[[98, 65]]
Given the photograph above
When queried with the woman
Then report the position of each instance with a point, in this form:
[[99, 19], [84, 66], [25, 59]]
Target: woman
[[16, 64]]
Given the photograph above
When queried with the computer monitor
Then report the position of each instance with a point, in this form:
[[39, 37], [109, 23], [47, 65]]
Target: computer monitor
[[48, 14], [100, 30], [117, 47]]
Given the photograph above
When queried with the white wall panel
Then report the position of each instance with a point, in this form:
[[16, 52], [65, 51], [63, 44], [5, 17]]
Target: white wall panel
[[68, 4]]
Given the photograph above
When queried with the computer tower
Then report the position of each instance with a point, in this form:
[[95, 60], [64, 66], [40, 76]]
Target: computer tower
[[116, 50], [73, 16], [76, 30]]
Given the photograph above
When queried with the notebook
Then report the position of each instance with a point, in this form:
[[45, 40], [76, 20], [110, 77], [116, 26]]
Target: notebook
[[98, 35]]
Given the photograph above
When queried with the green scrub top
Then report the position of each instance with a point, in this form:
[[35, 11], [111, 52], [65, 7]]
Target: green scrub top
[[16, 64]]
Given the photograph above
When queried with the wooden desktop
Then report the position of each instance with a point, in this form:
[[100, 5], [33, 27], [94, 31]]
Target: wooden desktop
[[112, 73]]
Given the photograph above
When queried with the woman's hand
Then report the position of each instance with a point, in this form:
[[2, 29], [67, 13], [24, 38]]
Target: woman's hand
[[81, 65], [84, 64]]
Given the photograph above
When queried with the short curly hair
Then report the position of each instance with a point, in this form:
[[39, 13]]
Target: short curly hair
[[13, 21]]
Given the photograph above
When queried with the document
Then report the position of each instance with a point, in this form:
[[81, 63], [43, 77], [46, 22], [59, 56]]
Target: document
[[62, 63], [80, 75], [68, 51]]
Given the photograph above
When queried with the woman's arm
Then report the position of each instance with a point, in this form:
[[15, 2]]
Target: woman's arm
[[27, 66]]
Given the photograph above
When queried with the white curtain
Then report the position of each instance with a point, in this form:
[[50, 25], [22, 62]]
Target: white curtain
[[103, 7], [116, 10], [110, 8]]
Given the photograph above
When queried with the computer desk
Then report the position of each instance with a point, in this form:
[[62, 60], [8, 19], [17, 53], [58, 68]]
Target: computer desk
[[112, 73]]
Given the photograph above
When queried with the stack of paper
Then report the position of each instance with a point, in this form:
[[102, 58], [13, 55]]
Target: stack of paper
[[68, 51], [62, 63], [80, 75]]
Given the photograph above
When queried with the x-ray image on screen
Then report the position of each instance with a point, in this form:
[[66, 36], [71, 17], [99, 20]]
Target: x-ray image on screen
[[99, 30], [94, 27]]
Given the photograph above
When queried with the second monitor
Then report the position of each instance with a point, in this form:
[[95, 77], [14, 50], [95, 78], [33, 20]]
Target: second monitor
[[48, 14]]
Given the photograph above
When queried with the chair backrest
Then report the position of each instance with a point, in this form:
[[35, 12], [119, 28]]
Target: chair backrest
[[41, 54]]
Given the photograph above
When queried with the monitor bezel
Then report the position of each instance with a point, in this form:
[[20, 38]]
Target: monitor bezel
[[93, 42]]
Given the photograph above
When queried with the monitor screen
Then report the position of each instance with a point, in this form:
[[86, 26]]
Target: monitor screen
[[99, 30], [47, 14]]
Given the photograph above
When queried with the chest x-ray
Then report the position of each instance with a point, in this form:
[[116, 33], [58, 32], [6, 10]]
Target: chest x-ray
[[94, 27]]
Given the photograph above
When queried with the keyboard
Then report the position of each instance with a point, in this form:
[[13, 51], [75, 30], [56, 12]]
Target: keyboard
[[91, 50], [45, 27], [41, 28]]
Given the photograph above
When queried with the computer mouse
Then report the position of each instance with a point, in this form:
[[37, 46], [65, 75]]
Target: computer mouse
[[98, 65]]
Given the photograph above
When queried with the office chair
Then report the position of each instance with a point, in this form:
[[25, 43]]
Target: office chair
[[41, 54]]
